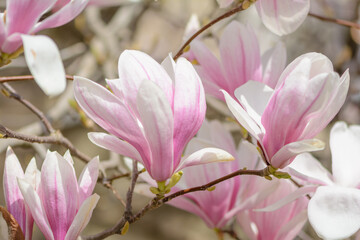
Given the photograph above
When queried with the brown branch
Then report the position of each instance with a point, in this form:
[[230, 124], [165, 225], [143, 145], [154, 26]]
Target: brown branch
[[157, 202], [241, 7], [134, 176], [25, 78], [56, 138], [11, 93], [336, 20]]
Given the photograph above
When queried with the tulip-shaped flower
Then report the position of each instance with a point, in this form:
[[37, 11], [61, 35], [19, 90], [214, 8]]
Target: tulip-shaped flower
[[229, 197], [23, 17], [13, 197], [283, 121], [240, 61], [279, 16], [152, 113], [282, 224], [61, 206], [334, 209]]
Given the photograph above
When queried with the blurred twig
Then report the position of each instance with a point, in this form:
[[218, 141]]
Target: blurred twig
[[336, 20], [24, 78]]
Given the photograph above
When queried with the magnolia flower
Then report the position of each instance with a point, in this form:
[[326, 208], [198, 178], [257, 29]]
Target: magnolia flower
[[279, 16], [334, 209], [152, 113], [284, 121], [61, 206], [282, 224], [23, 17], [236, 194], [13, 197], [240, 61]]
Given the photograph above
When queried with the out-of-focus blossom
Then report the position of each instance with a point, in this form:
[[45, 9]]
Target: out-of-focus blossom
[[13, 197], [334, 209], [23, 17], [220, 205], [279, 16], [282, 224], [101, 3], [45, 64], [308, 95], [61, 206], [152, 113], [240, 61]]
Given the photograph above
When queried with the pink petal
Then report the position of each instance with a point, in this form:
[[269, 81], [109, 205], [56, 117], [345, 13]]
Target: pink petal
[[292, 228], [344, 145], [189, 106], [82, 217], [63, 16], [109, 112], [273, 62], [283, 16], [21, 15], [334, 212], [240, 56], [209, 69], [34, 204], [114, 144], [203, 156], [13, 197], [134, 67], [88, 179], [158, 125], [286, 154], [59, 193]]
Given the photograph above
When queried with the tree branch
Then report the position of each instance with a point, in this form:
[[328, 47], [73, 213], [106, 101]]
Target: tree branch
[[336, 20], [25, 78]]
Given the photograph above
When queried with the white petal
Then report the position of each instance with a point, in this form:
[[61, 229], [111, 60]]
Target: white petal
[[344, 145], [309, 169], [88, 179], [243, 117], [254, 97], [334, 212], [45, 64], [286, 154], [203, 156]]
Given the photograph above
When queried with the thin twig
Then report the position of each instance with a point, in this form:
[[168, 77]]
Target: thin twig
[[239, 8], [336, 20], [108, 185], [134, 176], [56, 138], [11, 93], [157, 202], [25, 78]]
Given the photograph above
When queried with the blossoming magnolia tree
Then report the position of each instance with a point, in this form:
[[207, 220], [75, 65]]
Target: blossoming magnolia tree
[[247, 173]]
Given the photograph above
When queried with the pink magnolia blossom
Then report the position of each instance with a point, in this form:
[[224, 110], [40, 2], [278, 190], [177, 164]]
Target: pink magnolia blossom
[[334, 209], [240, 61], [61, 206], [282, 224], [279, 16], [236, 194], [23, 17], [284, 121], [13, 197], [152, 113]]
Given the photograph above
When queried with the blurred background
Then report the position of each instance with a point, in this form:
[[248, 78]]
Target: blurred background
[[90, 47]]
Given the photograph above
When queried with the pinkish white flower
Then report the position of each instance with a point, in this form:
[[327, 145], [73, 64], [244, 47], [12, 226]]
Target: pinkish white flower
[[23, 17], [219, 206], [13, 197], [279, 16], [284, 121], [334, 209], [152, 113], [282, 224], [240, 61], [61, 206]]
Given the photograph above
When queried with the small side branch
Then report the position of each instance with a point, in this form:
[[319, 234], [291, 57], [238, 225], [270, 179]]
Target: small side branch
[[25, 78], [336, 20]]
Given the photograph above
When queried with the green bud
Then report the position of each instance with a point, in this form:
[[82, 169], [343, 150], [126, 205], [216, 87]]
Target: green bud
[[154, 190], [283, 175], [211, 188], [268, 178], [161, 186], [174, 180], [125, 229]]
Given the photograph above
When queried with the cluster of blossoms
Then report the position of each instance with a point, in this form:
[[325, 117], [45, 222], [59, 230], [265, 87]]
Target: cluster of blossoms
[[153, 111]]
